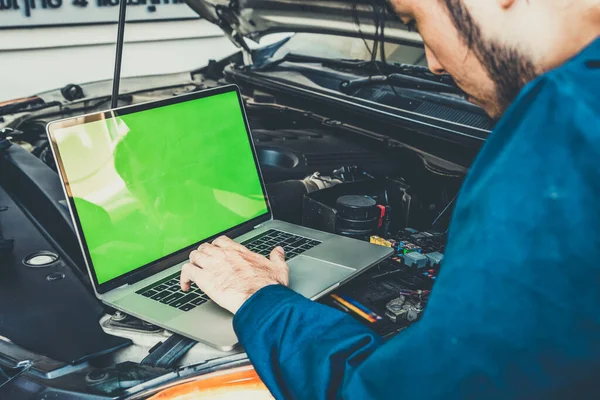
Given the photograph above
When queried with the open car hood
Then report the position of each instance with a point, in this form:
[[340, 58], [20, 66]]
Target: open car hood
[[256, 18]]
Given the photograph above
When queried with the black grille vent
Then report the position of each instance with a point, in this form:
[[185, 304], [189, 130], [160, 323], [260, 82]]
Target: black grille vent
[[453, 115]]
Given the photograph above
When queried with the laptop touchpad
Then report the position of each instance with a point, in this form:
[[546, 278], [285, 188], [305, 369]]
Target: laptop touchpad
[[310, 276]]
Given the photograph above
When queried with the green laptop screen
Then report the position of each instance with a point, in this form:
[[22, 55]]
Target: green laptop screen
[[150, 183]]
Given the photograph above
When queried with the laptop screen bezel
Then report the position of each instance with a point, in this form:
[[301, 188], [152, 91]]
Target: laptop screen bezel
[[156, 266]]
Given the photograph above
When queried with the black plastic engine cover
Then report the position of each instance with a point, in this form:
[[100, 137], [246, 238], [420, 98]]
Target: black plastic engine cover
[[46, 309], [296, 153], [39, 189]]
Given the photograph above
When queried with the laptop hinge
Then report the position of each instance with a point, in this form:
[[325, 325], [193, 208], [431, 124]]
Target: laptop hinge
[[120, 287], [259, 225]]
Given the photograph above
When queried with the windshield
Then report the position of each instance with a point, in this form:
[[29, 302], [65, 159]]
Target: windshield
[[349, 48]]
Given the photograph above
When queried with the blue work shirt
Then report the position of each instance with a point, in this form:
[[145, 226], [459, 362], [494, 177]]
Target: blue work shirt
[[515, 312]]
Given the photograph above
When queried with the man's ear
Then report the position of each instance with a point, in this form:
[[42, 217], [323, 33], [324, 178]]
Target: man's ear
[[506, 4]]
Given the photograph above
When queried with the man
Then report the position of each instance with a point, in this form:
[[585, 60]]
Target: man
[[514, 313]]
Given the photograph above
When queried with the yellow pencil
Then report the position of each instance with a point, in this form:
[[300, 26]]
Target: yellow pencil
[[353, 308]]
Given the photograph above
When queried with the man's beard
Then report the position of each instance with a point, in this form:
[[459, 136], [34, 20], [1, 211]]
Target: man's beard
[[507, 67]]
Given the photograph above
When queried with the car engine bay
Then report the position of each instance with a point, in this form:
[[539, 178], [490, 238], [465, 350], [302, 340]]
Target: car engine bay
[[314, 151]]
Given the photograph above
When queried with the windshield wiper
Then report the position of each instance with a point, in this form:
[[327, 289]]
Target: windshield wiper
[[400, 75], [394, 72], [398, 80]]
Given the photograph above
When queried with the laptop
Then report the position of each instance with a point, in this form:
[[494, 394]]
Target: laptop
[[147, 184]]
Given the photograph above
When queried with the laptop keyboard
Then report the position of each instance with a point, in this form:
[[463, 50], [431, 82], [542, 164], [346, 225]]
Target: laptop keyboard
[[292, 244], [168, 290]]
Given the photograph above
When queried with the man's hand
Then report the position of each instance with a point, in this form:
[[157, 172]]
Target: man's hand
[[229, 273]]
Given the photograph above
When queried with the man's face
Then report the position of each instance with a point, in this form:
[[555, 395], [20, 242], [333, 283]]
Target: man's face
[[490, 71]]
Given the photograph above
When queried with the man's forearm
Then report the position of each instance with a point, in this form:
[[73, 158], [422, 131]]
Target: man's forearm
[[301, 349]]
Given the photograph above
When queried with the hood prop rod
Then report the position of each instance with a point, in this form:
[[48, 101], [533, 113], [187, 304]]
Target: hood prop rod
[[119, 55]]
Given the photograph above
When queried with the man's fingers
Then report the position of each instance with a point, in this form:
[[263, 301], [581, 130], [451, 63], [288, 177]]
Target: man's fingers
[[189, 274], [210, 249], [278, 259], [203, 246], [225, 243], [196, 257], [205, 259], [278, 255]]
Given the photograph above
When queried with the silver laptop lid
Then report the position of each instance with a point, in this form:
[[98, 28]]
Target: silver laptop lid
[[148, 183]]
